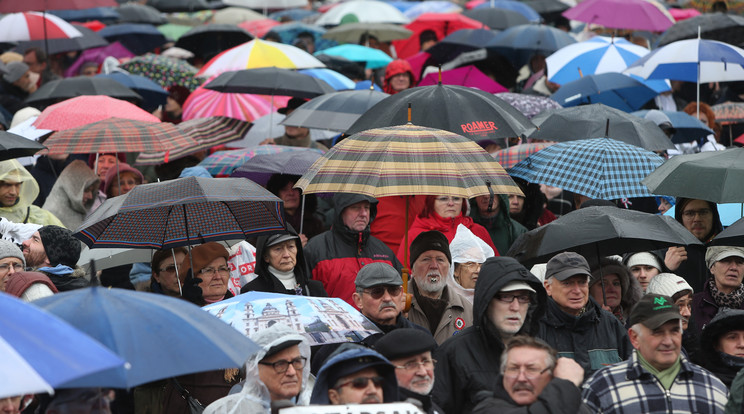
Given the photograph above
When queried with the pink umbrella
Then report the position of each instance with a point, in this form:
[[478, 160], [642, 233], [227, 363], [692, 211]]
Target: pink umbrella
[[622, 14], [98, 54], [465, 76], [84, 110], [260, 27], [417, 62], [683, 14], [203, 103]]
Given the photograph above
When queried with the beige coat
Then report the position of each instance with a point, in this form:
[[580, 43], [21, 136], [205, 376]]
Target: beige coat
[[457, 316]]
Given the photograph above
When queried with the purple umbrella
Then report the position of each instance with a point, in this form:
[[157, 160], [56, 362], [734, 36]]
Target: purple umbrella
[[465, 76], [98, 54]]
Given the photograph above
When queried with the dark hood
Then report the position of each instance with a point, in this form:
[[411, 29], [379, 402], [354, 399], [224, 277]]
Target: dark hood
[[262, 268], [725, 320], [343, 200], [679, 205]]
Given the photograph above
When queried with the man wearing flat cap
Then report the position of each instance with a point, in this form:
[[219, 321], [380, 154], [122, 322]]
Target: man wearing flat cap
[[657, 378], [574, 324], [723, 289], [409, 350], [294, 136]]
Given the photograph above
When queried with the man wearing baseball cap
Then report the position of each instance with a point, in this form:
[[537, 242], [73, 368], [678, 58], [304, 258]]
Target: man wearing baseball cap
[[657, 378], [574, 324], [723, 289]]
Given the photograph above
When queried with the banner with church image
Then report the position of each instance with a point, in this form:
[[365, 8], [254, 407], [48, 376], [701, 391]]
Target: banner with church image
[[321, 320]]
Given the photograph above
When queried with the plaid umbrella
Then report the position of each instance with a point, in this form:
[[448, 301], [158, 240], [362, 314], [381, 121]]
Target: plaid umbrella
[[509, 157], [529, 105], [407, 159], [261, 167], [729, 112], [182, 212], [84, 110], [222, 163], [600, 168], [118, 135], [163, 70], [207, 132]]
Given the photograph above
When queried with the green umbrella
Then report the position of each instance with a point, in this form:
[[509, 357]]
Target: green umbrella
[[174, 31]]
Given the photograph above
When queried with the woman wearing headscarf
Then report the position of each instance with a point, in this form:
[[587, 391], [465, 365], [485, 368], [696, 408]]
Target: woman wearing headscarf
[[621, 292], [398, 77]]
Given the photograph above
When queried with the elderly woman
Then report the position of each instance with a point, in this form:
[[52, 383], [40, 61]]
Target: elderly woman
[[722, 345], [468, 254], [164, 277], [121, 180], [724, 289], [621, 291], [281, 268], [206, 281]]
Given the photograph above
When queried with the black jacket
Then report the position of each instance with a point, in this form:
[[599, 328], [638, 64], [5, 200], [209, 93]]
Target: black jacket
[[558, 397], [470, 361], [426, 404]]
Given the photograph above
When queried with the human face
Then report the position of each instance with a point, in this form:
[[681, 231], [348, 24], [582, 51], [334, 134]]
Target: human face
[[24, 82], [105, 162], [508, 315], [466, 274], [286, 385], [644, 273], [9, 193], [214, 283], [382, 310], [33, 64], [660, 347], [13, 265], [127, 181], [482, 203], [400, 82], [345, 393], [415, 373], [166, 273], [516, 204], [430, 271], [10, 405], [282, 256], [697, 217], [89, 71], [664, 206], [685, 309], [88, 194], [571, 294], [728, 273], [526, 374], [448, 207], [290, 196], [172, 106], [33, 251], [356, 216], [732, 343], [613, 291]]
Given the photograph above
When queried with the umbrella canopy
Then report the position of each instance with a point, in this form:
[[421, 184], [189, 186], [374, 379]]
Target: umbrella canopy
[[715, 176], [729, 112], [259, 27], [612, 89], [443, 24], [173, 32], [98, 55], [61, 89], [182, 212], [179, 5], [352, 32], [622, 14], [15, 146], [207, 132], [529, 105], [365, 11], [88, 40], [16, 27], [43, 350], [509, 157], [497, 19], [235, 15], [139, 38], [463, 40], [259, 54], [118, 135], [289, 33], [335, 111], [596, 120], [407, 159], [223, 163], [518, 6], [140, 13], [209, 40], [594, 56], [152, 94], [22, 6], [320, 320], [732, 235], [724, 27], [520, 43], [261, 167], [431, 6], [264, 4], [270, 81], [203, 103], [600, 168], [164, 71], [473, 113], [331, 77], [598, 232], [686, 127], [84, 110], [269, 126], [160, 336], [469, 76], [373, 58]]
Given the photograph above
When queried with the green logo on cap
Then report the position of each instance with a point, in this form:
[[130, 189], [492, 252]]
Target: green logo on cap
[[659, 301], [662, 303]]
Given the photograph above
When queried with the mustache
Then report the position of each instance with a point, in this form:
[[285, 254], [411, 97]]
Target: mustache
[[389, 304], [371, 398], [523, 387]]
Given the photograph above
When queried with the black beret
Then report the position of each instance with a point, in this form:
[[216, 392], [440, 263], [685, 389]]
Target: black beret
[[405, 342]]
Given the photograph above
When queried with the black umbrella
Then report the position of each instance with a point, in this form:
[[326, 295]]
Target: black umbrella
[[732, 235], [335, 111], [209, 40], [14, 146], [169, 6], [725, 27], [598, 232], [458, 42], [497, 19], [270, 81], [465, 111], [89, 39], [62, 89], [549, 10], [140, 13], [597, 120], [138, 38]]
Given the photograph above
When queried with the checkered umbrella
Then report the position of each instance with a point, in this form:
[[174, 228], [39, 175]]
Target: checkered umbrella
[[118, 135], [509, 157], [407, 159], [182, 212], [597, 168]]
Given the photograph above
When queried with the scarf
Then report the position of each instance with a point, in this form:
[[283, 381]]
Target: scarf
[[731, 300]]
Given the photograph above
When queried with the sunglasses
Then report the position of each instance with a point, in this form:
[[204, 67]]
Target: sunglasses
[[360, 383], [379, 291]]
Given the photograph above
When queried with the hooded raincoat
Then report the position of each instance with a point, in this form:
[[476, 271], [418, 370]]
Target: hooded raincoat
[[23, 211], [66, 198], [694, 270], [503, 229], [722, 365]]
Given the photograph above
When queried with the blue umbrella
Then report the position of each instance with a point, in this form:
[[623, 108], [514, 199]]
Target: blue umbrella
[[420, 8], [333, 78], [687, 128], [58, 352], [288, 32], [138, 38], [152, 94], [520, 43], [293, 14], [612, 89], [367, 84], [597, 55], [517, 6], [374, 58], [160, 336]]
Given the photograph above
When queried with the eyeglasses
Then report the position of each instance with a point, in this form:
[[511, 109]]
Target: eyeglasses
[[703, 212], [379, 291], [5, 267], [281, 366], [360, 383], [413, 365], [472, 265], [529, 372], [210, 271], [167, 269], [448, 199], [509, 298]]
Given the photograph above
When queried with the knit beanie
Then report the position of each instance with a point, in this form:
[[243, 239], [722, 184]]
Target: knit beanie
[[60, 246], [430, 240], [201, 256], [667, 284], [9, 249]]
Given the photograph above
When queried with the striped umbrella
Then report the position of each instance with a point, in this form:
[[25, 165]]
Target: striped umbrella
[[407, 159], [222, 163], [509, 157], [600, 168], [17, 27], [207, 132], [596, 55], [204, 103]]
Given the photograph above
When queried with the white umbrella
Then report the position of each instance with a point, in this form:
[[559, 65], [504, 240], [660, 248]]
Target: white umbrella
[[594, 56], [17, 377], [365, 11]]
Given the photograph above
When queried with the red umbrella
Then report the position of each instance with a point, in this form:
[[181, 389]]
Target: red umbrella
[[16, 6], [441, 23], [17, 27], [83, 110], [259, 27]]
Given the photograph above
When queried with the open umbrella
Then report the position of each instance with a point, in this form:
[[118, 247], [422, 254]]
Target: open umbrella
[[372, 58], [16, 27], [235, 15], [600, 168], [15, 146], [223, 163], [594, 56], [529, 105], [182, 212], [364, 11], [732, 235], [204, 103], [724, 27], [622, 14], [261, 167], [335, 111], [495, 18], [84, 110], [140, 13], [289, 32], [612, 89], [520, 43], [259, 27], [139, 38], [269, 81], [509, 157], [152, 94], [98, 55], [352, 32], [686, 127], [443, 24], [456, 43], [520, 7], [598, 232], [22, 6], [320, 320], [336, 80], [60, 89], [160, 336], [469, 76], [208, 40], [89, 39], [165, 71]]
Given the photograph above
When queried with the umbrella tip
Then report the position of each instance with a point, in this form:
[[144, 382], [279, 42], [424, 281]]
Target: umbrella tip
[[409, 112], [440, 74]]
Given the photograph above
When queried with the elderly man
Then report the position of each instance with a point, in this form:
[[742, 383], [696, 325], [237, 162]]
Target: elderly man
[[508, 300], [355, 375], [657, 378], [53, 251], [409, 350], [294, 136], [336, 256], [11, 261], [434, 306], [18, 189], [533, 379], [574, 324], [723, 289]]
